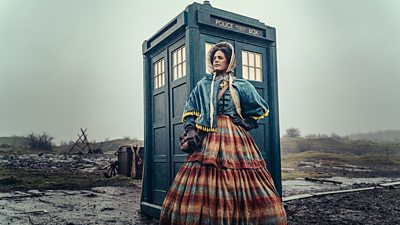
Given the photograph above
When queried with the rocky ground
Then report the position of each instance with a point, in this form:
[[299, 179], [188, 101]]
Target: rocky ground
[[100, 205], [71, 189], [66, 189]]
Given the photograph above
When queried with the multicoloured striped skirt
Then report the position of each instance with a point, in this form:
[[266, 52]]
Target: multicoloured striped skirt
[[225, 183]]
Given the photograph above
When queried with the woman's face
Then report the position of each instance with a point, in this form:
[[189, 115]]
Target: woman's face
[[220, 63]]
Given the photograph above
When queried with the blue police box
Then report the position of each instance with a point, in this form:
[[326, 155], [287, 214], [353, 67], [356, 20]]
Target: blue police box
[[174, 61]]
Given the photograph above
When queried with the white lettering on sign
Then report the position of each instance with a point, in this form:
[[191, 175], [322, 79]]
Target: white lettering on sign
[[236, 27], [240, 28], [224, 24], [253, 31]]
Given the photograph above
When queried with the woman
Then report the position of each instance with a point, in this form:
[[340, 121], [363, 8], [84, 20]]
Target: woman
[[225, 181]]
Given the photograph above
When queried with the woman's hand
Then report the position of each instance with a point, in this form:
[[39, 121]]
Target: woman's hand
[[247, 124], [191, 140]]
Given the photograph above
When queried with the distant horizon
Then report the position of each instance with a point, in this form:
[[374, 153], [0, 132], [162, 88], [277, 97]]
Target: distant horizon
[[58, 141]]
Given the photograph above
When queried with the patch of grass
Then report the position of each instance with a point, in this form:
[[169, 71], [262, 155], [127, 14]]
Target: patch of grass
[[18, 179], [381, 159], [290, 175], [294, 159], [382, 164]]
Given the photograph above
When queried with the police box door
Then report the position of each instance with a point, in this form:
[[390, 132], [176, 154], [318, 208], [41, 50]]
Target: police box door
[[160, 128], [251, 65]]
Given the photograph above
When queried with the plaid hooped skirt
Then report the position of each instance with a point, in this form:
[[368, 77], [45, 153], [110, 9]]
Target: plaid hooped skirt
[[227, 182]]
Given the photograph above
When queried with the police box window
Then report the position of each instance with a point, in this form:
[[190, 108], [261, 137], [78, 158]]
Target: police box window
[[179, 63], [159, 73], [208, 46], [252, 65]]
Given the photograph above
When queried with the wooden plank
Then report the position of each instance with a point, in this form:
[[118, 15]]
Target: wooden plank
[[390, 184]]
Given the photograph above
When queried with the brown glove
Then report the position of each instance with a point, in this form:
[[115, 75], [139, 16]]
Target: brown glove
[[190, 140], [247, 124]]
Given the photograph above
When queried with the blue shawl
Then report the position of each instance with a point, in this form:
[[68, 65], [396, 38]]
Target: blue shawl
[[198, 103]]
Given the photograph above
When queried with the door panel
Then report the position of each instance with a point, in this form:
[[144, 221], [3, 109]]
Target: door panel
[[160, 132], [261, 135], [178, 95]]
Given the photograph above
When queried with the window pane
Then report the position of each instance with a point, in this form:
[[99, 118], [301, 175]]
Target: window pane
[[245, 72], [155, 69], [258, 60], [162, 66], [251, 59], [179, 56], [175, 73], [251, 74], [174, 59], [184, 68], [155, 82], [258, 75], [163, 79], [183, 54], [245, 58], [179, 71]]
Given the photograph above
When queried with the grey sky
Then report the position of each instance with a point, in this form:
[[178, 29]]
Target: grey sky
[[71, 64]]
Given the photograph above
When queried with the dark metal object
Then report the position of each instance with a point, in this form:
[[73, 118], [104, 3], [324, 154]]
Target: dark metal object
[[130, 161], [322, 180], [206, 3], [138, 162], [124, 154], [197, 25], [112, 169]]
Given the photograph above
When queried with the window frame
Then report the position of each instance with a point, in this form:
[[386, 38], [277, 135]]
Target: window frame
[[158, 64], [178, 70]]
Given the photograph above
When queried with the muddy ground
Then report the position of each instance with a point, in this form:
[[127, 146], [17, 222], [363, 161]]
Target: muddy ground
[[71, 189], [100, 205], [377, 206]]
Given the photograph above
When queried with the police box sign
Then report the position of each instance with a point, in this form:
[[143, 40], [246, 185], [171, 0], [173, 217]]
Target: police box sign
[[236, 27]]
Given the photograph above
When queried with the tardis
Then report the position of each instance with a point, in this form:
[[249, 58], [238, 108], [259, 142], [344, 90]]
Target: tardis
[[174, 61]]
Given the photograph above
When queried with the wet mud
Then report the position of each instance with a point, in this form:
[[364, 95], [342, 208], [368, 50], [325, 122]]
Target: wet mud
[[377, 206], [101, 205], [71, 189]]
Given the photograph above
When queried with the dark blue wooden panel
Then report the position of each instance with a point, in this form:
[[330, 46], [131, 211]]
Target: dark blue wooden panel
[[178, 98], [161, 141], [259, 137], [177, 166], [160, 176], [160, 182], [260, 91], [159, 106], [177, 131]]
